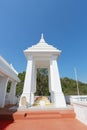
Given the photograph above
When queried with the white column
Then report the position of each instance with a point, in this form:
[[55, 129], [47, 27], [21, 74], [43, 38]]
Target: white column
[[12, 97], [3, 87], [57, 96], [33, 85], [28, 83], [49, 79]]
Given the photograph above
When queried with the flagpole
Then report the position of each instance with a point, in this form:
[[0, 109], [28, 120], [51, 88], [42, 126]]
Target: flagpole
[[76, 81]]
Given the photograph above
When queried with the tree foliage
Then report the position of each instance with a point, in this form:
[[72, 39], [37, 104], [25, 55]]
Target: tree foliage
[[68, 85], [42, 82], [19, 88]]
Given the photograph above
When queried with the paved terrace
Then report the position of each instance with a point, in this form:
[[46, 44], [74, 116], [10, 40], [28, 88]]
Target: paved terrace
[[39, 120]]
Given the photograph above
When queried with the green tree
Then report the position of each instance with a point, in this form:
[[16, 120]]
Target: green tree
[[42, 82], [19, 88], [70, 88]]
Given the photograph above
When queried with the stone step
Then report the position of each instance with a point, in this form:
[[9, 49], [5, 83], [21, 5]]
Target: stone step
[[37, 114], [43, 115]]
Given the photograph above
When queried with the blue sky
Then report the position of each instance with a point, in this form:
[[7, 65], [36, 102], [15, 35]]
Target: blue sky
[[63, 22]]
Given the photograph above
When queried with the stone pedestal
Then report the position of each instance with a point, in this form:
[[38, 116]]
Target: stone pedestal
[[58, 99], [32, 99]]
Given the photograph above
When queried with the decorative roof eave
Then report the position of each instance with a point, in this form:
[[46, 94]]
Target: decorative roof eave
[[42, 52], [8, 70]]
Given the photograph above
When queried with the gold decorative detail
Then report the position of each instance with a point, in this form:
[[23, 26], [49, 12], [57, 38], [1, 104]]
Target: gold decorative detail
[[42, 101]]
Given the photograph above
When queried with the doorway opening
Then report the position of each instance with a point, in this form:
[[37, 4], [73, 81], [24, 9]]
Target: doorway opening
[[42, 83]]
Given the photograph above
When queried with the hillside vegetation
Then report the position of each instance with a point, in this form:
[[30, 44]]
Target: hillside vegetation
[[69, 86]]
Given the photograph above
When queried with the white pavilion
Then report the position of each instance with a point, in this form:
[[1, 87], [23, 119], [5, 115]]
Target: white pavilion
[[42, 55]]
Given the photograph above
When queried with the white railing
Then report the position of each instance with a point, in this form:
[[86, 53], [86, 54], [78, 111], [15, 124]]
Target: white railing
[[75, 98]]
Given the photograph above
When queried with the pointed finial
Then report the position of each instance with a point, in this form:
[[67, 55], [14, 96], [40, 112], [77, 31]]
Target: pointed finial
[[42, 39]]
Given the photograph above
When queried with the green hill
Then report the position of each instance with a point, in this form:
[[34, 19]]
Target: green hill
[[68, 85]]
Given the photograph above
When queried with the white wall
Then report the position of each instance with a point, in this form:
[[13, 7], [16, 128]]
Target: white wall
[[80, 109]]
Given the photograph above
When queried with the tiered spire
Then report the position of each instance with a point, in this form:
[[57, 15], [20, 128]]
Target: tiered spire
[[42, 46]]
